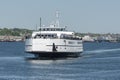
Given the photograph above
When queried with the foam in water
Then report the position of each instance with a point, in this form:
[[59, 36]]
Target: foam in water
[[103, 50]]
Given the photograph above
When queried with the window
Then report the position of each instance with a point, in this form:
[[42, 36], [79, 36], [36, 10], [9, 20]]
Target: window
[[79, 42], [70, 42]]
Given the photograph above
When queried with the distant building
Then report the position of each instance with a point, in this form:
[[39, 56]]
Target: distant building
[[87, 38], [11, 38]]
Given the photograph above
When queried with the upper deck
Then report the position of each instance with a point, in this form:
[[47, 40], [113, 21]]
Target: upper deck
[[54, 33], [58, 31]]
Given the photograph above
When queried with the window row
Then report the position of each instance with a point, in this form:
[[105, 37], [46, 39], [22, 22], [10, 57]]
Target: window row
[[52, 29]]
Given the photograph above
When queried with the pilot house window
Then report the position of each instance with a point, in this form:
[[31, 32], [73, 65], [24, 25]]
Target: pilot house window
[[45, 36]]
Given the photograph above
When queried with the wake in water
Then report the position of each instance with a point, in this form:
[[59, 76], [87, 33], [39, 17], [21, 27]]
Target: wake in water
[[102, 51]]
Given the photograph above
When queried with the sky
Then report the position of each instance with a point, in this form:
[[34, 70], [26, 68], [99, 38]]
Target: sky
[[94, 16]]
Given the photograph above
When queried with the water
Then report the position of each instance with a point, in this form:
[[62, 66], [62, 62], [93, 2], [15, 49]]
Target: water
[[99, 61]]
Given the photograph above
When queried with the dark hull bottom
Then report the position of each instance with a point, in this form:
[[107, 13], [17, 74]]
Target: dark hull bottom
[[56, 54]]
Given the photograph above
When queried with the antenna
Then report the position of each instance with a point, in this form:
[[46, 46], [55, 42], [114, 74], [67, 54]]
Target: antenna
[[57, 18], [40, 22]]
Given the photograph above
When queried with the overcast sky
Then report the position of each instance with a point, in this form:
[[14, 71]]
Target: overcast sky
[[96, 16]]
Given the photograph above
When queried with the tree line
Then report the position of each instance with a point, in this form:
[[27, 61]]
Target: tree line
[[14, 32]]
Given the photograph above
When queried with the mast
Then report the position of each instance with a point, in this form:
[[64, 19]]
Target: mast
[[40, 25], [57, 18]]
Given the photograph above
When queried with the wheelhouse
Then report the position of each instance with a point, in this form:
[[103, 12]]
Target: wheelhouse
[[52, 29]]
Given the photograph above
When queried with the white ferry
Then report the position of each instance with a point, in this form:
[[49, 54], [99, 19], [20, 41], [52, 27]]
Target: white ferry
[[54, 41]]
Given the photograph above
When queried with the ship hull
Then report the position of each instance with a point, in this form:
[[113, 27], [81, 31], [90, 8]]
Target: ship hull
[[56, 54], [54, 47]]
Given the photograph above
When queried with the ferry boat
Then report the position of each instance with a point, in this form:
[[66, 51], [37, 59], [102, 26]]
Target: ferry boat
[[54, 41]]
